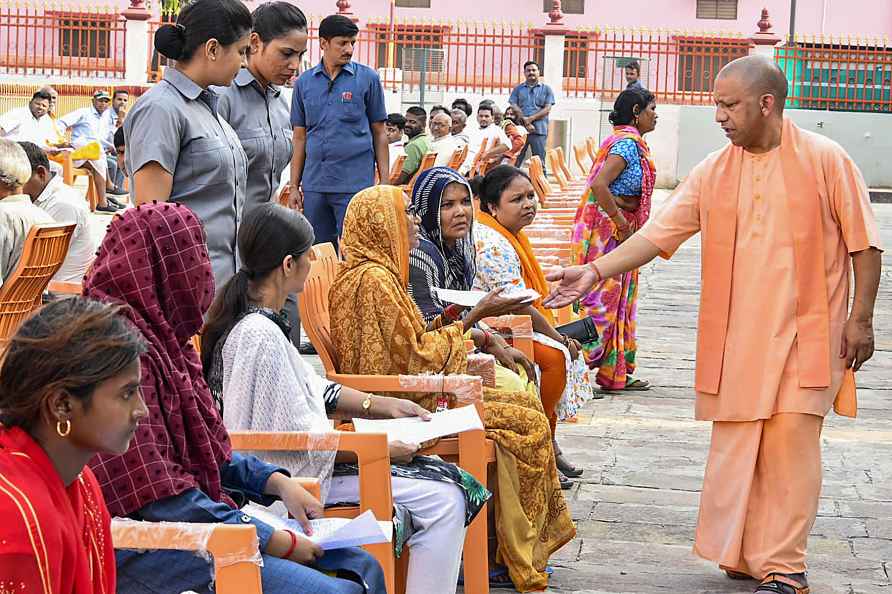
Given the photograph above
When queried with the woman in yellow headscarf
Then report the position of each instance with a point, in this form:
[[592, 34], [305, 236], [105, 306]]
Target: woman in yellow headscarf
[[377, 329]]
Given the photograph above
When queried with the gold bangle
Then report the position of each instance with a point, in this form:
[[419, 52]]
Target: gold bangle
[[597, 271]]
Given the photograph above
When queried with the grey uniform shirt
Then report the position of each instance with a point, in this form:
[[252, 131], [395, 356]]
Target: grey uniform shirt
[[262, 120], [176, 124]]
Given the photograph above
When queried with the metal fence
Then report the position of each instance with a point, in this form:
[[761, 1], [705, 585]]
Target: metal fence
[[842, 74], [677, 66], [46, 39], [52, 39]]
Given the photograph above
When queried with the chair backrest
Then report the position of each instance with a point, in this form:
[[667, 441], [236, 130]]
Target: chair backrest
[[325, 254], [397, 167], [554, 164], [314, 314], [591, 148], [537, 171], [427, 161], [579, 155], [478, 158], [562, 161], [45, 249], [457, 158]]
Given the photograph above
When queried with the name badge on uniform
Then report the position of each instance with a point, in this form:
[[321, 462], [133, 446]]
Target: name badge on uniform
[[346, 96]]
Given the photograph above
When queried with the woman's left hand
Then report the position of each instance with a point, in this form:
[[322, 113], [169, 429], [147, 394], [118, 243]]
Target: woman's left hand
[[300, 503], [395, 408], [573, 346], [498, 348]]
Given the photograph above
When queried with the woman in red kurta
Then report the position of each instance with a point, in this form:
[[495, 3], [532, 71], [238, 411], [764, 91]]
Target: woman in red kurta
[[69, 388]]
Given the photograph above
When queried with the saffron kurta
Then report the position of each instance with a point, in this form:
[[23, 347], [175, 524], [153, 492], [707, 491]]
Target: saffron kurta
[[760, 371], [769, 391]]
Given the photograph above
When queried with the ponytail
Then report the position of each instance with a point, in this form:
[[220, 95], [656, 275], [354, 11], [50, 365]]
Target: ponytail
[[229, 305]]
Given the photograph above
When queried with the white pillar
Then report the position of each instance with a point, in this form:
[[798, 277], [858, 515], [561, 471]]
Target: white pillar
[[554, 63], [136, 36]]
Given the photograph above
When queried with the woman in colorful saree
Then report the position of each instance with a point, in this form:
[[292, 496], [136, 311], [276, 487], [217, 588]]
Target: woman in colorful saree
[[180, 466], [69, 388], [616, 205], [377, 329]]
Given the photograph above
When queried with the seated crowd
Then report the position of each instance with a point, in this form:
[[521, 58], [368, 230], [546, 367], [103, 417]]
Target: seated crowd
[[109, 409]]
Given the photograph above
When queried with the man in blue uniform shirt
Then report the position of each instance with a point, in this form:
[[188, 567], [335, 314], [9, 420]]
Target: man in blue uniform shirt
[[339, 116], [533, 100]]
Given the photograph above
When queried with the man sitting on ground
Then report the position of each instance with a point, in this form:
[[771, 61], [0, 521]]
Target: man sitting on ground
[[418, 146], [394, 127], [85, 127], [17, 214], [442, 142], [65, 205]]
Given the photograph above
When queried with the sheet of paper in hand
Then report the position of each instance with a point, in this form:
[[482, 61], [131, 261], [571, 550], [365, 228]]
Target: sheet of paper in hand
[[330, 533], [472, 298], [415, 430]]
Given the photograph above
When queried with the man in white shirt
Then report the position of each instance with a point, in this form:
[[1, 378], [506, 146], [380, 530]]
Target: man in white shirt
[[394, 126], [31, 123], [86, 126], [459, 123], [490, 132], [65, 205], [17, 214], [442, 142]]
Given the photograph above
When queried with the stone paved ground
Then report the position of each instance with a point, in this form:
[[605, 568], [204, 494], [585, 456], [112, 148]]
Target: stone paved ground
[[644, 456]]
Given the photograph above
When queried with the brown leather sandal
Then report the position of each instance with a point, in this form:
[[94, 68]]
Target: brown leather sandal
[[778, 583]]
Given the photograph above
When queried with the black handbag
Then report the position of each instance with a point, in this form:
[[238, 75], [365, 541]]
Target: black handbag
[[582, 330]]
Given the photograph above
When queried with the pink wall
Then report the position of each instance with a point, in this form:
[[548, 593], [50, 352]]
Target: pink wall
[[830, 17]]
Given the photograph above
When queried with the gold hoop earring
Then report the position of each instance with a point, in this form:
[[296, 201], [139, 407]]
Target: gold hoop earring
[[67, 428], [636, 121]]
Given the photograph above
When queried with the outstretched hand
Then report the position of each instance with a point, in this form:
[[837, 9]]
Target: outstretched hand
[[574, 282]]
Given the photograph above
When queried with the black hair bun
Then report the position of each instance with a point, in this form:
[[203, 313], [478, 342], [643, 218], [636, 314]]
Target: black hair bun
[[614, 117], [170, 41], [476, 184]]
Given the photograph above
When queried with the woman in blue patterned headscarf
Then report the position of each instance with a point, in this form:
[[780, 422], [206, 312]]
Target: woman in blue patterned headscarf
[[445, 258]]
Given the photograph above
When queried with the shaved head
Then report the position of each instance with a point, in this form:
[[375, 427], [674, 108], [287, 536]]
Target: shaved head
[[760, 76]]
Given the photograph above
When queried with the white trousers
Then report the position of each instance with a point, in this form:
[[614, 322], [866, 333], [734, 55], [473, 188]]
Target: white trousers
[[438, 517]]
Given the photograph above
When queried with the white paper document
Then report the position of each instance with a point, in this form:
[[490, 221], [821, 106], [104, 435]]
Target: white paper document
[[472, 298], [331, 533], [415, 430]]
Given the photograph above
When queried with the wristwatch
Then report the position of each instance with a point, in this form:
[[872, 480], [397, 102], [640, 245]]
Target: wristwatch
[[367, 405]]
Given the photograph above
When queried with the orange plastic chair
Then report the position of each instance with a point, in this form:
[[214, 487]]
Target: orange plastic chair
[[562, 162], [457, 158], [471, 450], [478, 163], [580, 156], [233, 548], [591, 147], [70, 173], [45, 249], [374, 479], [426, 163], [397, 167]]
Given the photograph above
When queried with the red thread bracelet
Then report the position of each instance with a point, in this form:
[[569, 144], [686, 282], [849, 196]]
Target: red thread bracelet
[[293, 544]]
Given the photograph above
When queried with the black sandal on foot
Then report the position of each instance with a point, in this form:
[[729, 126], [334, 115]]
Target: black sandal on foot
[[778, 583], [566, 468]]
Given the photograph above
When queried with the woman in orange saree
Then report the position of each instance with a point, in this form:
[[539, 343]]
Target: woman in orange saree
[[377, 329]]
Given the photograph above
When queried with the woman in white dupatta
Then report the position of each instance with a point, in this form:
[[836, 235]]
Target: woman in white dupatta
[[262, 383]]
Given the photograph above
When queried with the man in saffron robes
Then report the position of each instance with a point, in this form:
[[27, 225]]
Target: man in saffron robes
[[785, 215]]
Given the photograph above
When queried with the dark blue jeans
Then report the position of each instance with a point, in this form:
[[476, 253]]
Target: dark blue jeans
[[536, 143], [171, 572]]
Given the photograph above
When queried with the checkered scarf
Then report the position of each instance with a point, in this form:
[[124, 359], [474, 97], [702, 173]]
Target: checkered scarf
[[154, 259]]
